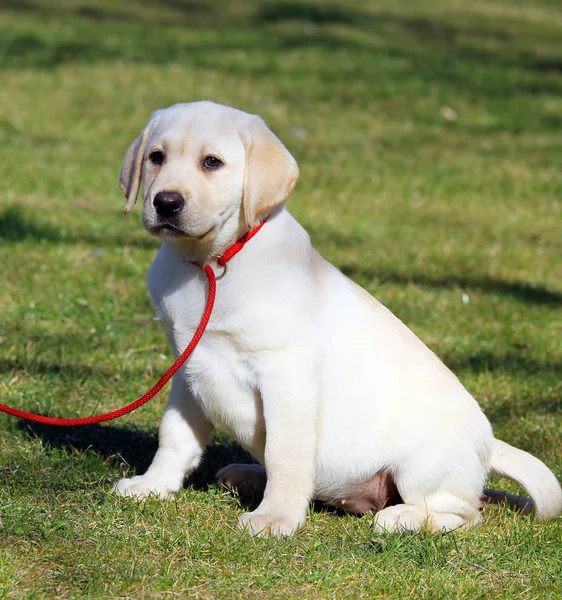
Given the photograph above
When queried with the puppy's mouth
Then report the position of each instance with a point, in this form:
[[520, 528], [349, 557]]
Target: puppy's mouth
[[167, 230]]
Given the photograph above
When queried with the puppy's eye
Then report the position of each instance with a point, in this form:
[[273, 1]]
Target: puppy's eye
[[212, 163], [156, 157]]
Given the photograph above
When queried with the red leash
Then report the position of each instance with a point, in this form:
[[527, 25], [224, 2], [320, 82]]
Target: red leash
[[228, 254]]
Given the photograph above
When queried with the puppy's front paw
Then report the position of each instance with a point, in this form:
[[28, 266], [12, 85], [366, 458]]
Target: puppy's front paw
[[265, 525], [142, 486]]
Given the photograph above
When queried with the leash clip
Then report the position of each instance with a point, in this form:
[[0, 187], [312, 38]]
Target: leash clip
[[224, 267], [217, 277]]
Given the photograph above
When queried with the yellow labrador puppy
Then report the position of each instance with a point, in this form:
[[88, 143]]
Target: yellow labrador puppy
[[330, 392]]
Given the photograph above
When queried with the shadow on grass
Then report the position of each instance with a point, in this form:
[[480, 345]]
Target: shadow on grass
[[521, 291], [189, 10], [133, 448], [446, 38], [512, 364], [526, 292], [76, 372], [16, 226], [447, 53], [319, 14]]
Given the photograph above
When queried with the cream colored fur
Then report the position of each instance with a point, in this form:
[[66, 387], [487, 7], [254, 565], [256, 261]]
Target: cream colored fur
[[319, 381]]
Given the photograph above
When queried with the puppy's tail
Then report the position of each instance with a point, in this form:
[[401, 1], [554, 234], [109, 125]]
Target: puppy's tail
[[530, 473]]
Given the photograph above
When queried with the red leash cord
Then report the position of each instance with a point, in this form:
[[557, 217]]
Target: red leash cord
[[228, 254]]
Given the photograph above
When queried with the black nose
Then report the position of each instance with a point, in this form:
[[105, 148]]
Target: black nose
[[168, 204]]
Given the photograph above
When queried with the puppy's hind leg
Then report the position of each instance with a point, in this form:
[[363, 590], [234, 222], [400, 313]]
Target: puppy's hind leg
[[441, 491], [248, 480], [409, 517]]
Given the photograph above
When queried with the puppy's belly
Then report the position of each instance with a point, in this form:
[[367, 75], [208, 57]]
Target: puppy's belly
[[370, 495]]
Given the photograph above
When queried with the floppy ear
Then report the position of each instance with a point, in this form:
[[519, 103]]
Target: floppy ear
[[270, 173], [131, 171]]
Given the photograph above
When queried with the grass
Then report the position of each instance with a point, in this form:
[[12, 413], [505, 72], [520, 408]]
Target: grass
[[428, 139]]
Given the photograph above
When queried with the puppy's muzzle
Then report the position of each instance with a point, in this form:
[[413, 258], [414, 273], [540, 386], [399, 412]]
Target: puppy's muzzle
[[168, 204]]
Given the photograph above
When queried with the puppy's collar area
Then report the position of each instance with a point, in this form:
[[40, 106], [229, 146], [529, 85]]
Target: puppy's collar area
[[237, 246], [222, 260], [233, 250]]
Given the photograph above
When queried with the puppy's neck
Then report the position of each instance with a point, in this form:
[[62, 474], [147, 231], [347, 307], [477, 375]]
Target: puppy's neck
[[191, 250], [205, 250]]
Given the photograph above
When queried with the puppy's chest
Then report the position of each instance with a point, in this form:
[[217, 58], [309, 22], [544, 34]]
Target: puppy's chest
[[221, 372]]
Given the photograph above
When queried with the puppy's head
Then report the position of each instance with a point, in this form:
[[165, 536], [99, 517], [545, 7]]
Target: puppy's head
[[202, 164]]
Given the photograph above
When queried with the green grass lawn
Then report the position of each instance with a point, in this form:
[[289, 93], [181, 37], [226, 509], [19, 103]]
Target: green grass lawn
[[428, 136]]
